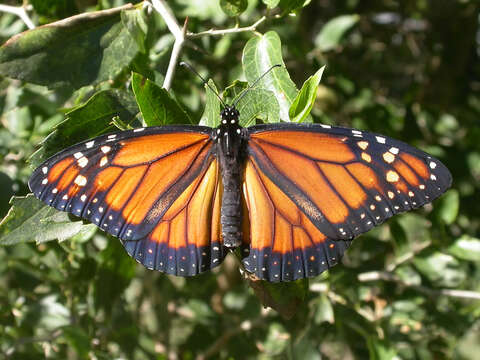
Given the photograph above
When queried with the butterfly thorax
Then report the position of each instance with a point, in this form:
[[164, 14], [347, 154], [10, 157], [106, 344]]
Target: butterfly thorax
[[229, 139]]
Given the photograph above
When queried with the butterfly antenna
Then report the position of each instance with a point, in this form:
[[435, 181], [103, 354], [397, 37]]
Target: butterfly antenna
[[205, 82], [244, 92]]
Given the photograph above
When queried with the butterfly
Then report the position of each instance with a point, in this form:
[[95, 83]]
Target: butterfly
[[290, 196]]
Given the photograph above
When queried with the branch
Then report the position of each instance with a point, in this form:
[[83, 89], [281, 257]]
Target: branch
[[387, 276], [20, 11], [179, 33], [234, 30]]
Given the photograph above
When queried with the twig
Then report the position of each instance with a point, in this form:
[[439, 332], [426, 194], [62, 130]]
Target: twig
[[234, 30], [387, 276], [179, 33], [20, 11]]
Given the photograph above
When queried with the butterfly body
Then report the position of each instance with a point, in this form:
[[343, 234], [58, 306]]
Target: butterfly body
[[230, 143], [292, 196]]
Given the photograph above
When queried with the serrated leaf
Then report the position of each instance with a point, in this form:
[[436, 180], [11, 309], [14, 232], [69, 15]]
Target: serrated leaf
[[211, 114], [30, 220], [233, 7], [283, 297], [157, 106], [303, 103], [81, 50], [89, 120], [334, 30], [261, 53], [466, 247]]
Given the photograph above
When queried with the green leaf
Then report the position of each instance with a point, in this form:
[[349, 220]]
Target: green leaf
[[276, 341], [30, 220], [447, 206], [323, 310], [233, 7], [380, 350], [89, 120], [466, 247], [114, 274], [157, 106], [440, 268], [289, 6], [57, 9], [334, 30], [136, 24], [271, 3], [211, 114], [283, 297], [256, 104], [303, 103], [82, 50], [77, 339], [261, 53]]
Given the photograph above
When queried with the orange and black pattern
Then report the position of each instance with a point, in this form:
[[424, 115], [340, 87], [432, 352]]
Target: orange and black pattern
[[157, 189], [307, 191], [310, 189]]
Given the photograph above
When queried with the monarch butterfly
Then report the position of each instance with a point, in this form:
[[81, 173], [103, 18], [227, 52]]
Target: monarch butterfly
[[291, 196]]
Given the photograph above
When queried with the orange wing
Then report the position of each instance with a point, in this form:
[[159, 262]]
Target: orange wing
[[310, 189], [155, 188]]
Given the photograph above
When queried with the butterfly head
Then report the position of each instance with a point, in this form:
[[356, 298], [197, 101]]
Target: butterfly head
[[229, 115]]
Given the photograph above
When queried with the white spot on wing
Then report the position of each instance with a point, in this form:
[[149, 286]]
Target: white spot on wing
[[82, 162], [45, 169], [394, 150], [325, 126], [81, 180], [380, 139], [105, 149], [45, 181], [139, 129], [83, 197], [89, 144], [78, 155], [432, 165]]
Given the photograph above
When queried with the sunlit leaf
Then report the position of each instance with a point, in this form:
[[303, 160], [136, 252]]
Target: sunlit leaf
[[30, 220], [211, 114], [156, 104], [89, 120], [233, 7], [334, 30], [77, 51], [259, 55], [303, 103], [466, 248]]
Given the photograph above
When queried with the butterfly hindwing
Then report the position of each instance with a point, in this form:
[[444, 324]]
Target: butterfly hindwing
[[284, 245], [127, 184], [341, 181]]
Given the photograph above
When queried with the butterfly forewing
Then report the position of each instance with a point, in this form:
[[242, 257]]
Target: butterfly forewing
[[128, 183], [337, 182]]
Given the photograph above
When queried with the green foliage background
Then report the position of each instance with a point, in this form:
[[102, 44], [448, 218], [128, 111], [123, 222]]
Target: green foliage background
[[408, 289]]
